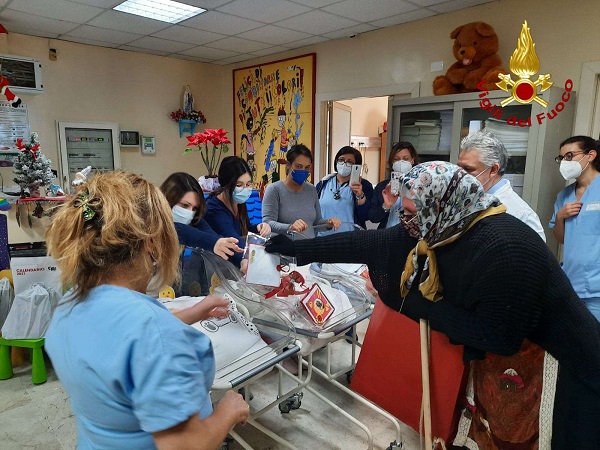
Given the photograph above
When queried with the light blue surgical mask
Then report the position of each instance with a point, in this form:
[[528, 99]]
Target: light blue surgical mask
[[241, 194], [300, 176], [182, 215]]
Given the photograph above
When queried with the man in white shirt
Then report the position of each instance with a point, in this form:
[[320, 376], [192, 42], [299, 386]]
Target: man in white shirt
[[485, 157]]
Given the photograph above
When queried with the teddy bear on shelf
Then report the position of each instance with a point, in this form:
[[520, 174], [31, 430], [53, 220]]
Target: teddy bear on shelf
[[475, 48]]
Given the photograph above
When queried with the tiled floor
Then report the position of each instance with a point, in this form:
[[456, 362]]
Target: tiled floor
[[38, 417]]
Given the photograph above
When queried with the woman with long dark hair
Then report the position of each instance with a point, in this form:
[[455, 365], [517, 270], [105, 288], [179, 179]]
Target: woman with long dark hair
[[187, 203], [226, 210]]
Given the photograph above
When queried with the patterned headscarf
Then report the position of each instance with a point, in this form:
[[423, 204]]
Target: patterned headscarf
[[448, 201]]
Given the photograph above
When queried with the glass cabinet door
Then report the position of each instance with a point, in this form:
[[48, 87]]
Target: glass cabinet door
[[504, 123], [428, 128]]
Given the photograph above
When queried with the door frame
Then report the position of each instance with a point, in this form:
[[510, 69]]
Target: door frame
[[587, 98], [320, 152]]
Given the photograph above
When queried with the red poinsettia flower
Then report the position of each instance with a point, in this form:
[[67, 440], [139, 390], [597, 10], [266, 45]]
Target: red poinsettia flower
[[196, 139]]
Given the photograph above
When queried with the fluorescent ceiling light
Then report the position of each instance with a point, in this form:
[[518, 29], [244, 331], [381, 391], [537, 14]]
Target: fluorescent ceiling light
[[163, 10]]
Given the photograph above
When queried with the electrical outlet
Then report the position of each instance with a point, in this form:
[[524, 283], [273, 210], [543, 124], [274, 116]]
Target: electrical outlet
[[437, 66]]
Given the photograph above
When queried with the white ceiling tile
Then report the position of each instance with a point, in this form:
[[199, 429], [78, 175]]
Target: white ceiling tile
[[208, 53], [189, 58], [189, 35], [236, 44], [304, 42], [57, 9], [455, 5], [404, 18], [316, 3], [205, 4], [427, 2], [20, 22], [270, 51], [103, 34], [316, 22], [366, 11], [272, 34], [100, 3], [116, 20], [350, 31], [82, 40], [221, 23], [161, 45], [233, 59], [130, 48], [267, 11]]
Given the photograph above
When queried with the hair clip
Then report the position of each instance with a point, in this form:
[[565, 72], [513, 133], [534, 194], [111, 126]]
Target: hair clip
[[83, 201]]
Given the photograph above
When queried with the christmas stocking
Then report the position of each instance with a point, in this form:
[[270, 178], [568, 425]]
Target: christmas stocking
[[14, 100]]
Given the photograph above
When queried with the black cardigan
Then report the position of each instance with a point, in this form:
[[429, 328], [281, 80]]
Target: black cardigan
[[501, 285]]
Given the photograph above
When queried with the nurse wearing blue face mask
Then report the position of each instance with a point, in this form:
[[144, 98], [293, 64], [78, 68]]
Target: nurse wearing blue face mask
[[226, 211], [186, 200], [293, 204]]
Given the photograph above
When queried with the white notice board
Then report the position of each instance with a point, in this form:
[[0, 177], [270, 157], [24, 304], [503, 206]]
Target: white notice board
[[14, 124]]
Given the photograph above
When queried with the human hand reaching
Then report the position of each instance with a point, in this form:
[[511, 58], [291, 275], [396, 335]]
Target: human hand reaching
[[280, 244], [225, 247]]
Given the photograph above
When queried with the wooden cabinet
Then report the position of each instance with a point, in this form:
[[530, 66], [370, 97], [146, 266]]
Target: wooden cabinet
[[532, 134]]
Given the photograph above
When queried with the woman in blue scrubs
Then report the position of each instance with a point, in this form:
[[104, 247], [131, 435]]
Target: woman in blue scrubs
[[576, 219], [137, 375]]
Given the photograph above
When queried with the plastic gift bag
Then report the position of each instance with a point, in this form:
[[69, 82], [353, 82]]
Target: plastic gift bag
[[30, 314], [6, 299]]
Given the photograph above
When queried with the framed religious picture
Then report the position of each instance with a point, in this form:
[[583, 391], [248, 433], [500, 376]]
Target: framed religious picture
[[274, 108]]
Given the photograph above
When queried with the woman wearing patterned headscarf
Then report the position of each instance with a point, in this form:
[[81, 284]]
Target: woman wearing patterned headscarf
[[483, 279]]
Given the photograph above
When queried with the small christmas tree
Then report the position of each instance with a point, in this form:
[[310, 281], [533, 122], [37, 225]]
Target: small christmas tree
[[32, 168]]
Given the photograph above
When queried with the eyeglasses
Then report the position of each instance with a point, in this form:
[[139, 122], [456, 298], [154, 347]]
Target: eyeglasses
[[346, 163], [567, 156]]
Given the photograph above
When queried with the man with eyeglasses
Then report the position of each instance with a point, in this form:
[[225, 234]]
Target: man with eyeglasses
[[485, 157], [576, 219]]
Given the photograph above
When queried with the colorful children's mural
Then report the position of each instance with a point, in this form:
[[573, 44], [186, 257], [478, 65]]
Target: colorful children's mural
[[273, 109]]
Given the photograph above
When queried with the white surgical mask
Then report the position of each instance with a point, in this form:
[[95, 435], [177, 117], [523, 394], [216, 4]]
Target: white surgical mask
[[241, 194], [182, 215], [343, 169], [570, 170], [402, 166]]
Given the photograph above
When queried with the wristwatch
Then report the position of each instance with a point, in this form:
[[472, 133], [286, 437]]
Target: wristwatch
[[387, 210], [361, 197]]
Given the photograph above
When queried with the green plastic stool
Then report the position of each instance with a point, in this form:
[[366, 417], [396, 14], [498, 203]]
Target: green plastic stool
[[38, 366]]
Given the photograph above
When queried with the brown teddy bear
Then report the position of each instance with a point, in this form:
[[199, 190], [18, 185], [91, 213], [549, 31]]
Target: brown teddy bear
[[475, 48]]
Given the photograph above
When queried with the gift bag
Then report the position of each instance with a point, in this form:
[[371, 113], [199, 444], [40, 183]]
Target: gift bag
[[388, 371], [30, 313], [6, 299], [39, 269]]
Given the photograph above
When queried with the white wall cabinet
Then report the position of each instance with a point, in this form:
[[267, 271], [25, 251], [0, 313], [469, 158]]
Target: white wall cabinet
[[532, 134]]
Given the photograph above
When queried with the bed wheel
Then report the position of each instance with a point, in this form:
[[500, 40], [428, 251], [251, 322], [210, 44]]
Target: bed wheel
[[349, 375], [292, 402]]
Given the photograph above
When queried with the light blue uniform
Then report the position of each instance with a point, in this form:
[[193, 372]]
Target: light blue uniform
[[581, 251], [343, 208], [394, 214], [130, 367]]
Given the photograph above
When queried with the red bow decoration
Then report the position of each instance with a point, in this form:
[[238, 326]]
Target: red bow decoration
[[287, 286], [33, 149]]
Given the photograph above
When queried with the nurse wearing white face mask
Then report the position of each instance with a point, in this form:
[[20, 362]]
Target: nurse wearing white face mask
[[226, 210], [386, 205], [576, 219], [186, 199], [338, 198]]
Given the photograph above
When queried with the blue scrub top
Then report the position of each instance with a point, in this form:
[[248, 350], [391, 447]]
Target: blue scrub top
[[343, 208], [394, 214], [581, 251], [130, 367]]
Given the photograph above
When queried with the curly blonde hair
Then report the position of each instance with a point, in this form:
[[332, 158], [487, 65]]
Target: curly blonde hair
[[131, 231]]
